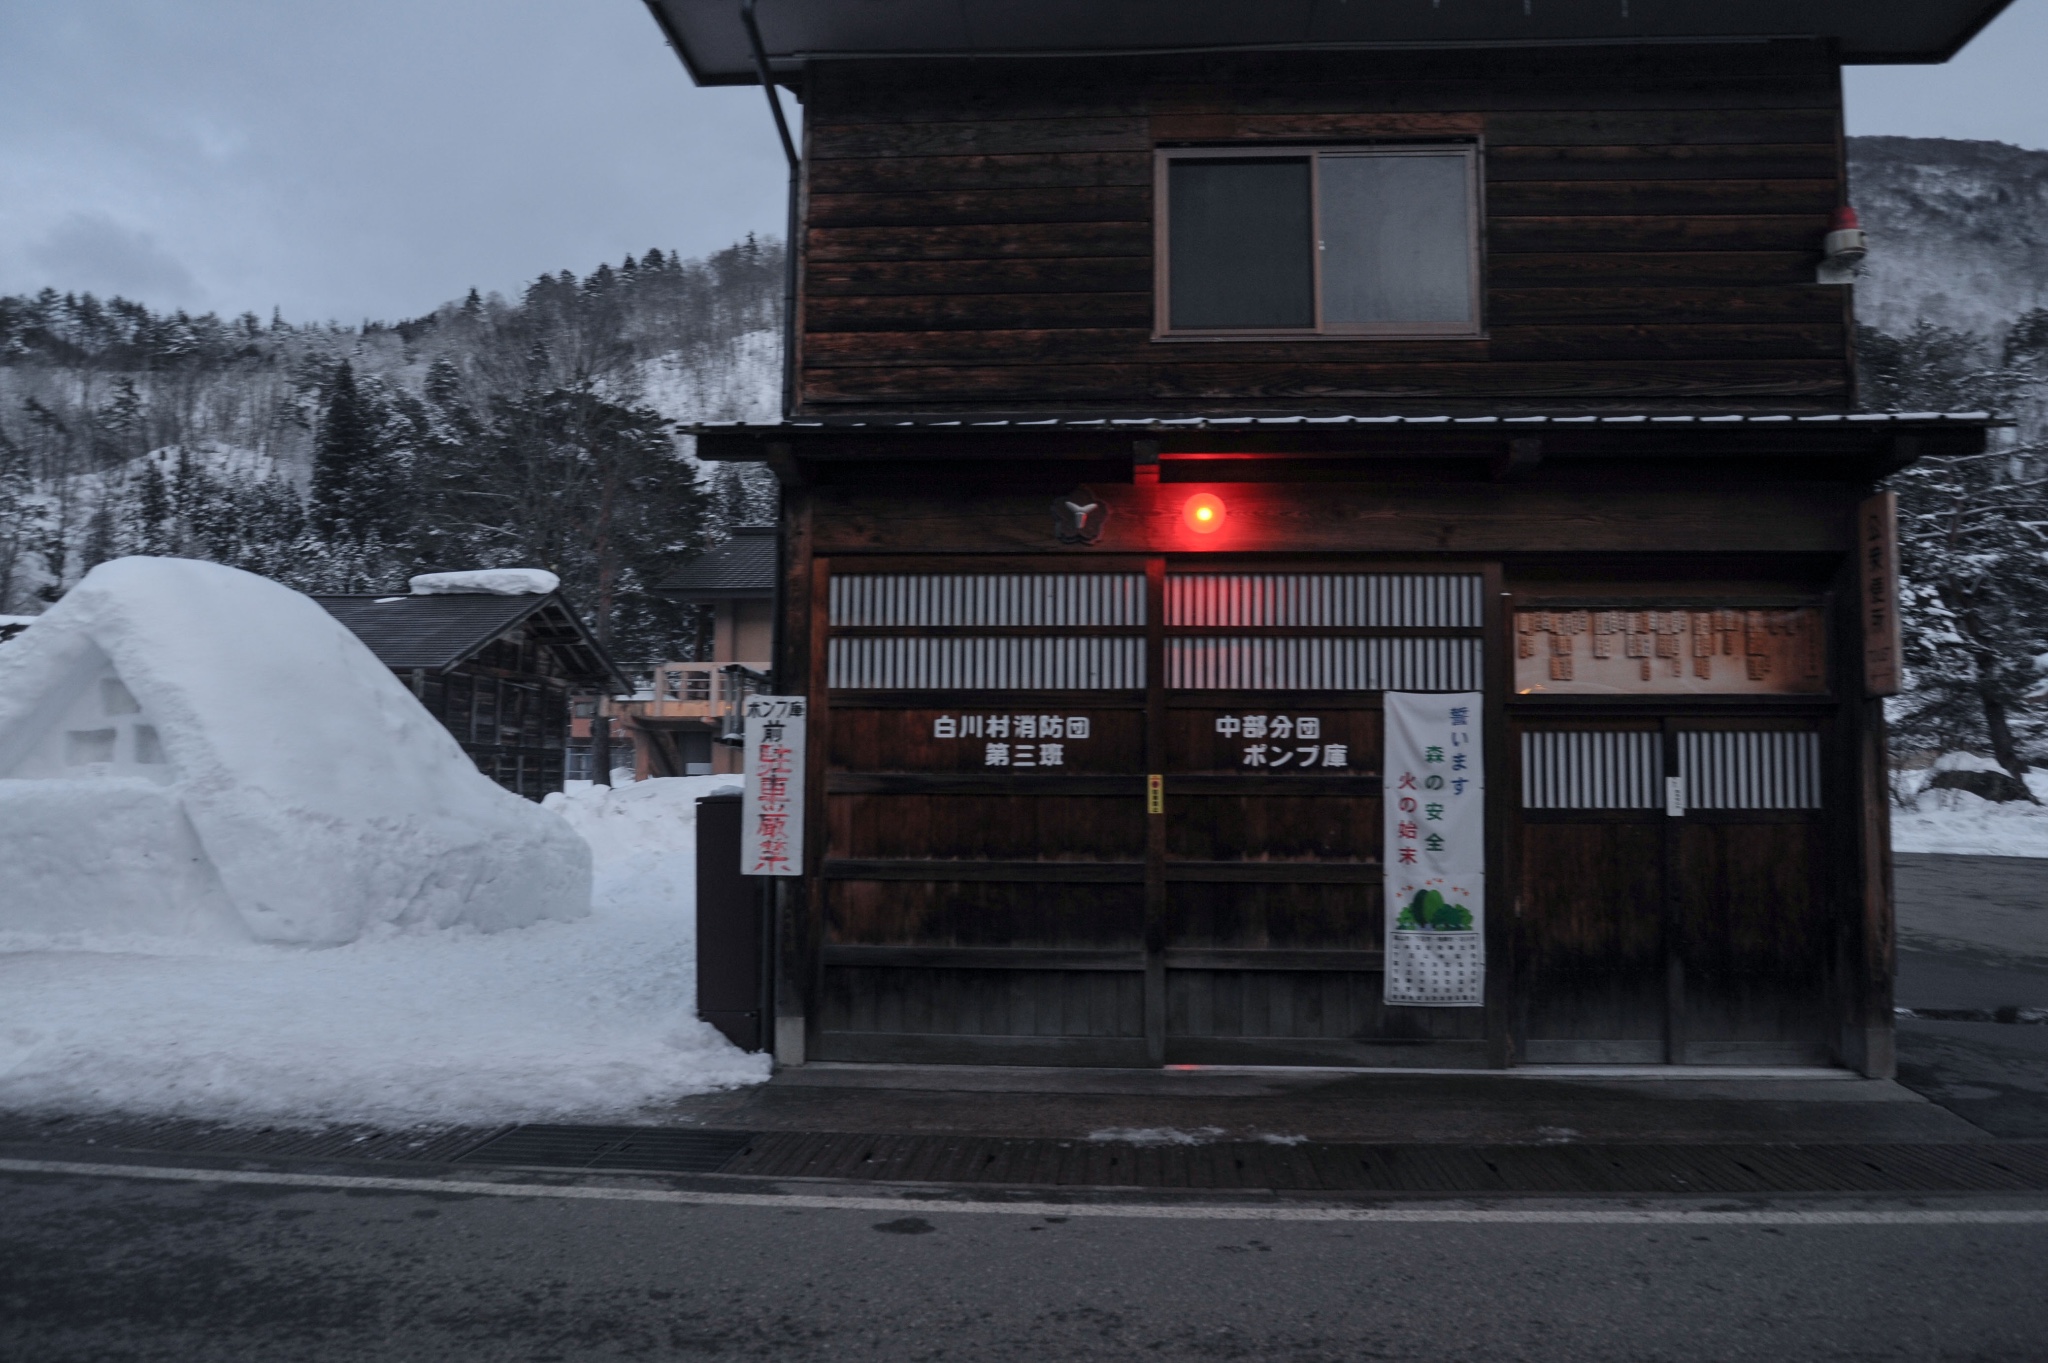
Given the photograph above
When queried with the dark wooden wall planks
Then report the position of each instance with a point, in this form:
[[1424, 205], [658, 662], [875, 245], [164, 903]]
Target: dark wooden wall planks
[[1632, 513], [981, 235]]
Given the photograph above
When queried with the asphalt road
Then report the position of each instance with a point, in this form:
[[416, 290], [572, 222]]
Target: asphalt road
[[111, 1269], [1973, 934], [103, 1269]]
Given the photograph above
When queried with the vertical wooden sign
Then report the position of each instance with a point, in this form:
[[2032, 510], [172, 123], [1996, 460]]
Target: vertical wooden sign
[[1877, 550], [772, 810]]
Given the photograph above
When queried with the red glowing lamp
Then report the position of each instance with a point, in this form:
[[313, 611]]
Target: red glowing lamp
[[1203, 513]]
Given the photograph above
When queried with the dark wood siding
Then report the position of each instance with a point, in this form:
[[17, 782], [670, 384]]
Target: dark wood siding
[[984, 911], [984, 236]]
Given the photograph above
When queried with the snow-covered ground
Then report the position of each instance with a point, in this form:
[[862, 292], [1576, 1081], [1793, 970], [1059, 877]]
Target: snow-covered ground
[[593, 1018], [1957, 822]]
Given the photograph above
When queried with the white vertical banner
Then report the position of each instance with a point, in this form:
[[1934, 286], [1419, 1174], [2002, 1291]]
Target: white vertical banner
[[1435, 850], [772, 811]]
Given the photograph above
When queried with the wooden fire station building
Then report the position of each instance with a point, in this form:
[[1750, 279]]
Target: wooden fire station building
[[1172, 381]]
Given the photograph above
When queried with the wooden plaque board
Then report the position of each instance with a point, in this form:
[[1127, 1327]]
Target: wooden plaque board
[[1877, 552], [1695, 650]]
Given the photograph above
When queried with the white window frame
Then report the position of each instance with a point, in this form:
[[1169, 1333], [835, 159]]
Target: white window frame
[[1473, 328]]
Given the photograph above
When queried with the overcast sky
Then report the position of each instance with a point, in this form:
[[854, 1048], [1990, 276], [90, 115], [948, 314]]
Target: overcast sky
[[376, 157]]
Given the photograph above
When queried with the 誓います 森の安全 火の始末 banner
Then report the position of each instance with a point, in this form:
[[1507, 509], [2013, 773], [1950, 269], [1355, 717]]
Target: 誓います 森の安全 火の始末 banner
[[1435, 850]]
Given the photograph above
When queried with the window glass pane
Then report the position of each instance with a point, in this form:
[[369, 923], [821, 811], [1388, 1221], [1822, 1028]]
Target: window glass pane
[[1397, 239], [1239, 243]]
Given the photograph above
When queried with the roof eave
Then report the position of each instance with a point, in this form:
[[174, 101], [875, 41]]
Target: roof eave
[[693, 595], [723, 61]]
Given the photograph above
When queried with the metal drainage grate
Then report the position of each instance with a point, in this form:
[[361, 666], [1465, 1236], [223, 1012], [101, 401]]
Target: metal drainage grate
[[1442, 1169], [191, 1136], [612, 1147]]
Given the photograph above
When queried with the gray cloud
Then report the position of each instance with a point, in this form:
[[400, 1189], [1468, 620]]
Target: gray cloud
[[375, 158], [369, 159], [91, 252]]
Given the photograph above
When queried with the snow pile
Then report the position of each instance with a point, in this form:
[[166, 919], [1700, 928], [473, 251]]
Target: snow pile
[[642, 837], [189, 748], [493, 581], [1957, 822], [588, 1019]]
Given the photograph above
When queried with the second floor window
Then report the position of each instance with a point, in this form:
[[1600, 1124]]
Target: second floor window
[[1348, 241]]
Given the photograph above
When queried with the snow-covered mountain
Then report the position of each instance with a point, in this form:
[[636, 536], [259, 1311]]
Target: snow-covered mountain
[[1958, 232]]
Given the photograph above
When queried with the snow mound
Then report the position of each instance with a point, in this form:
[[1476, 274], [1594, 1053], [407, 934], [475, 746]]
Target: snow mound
[[591, 1019], [643, 840], [1965, 761], [1962, 824], [188, 747], [493, 581]]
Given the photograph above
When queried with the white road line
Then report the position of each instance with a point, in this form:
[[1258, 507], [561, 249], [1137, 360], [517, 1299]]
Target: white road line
[[1551, 1216]]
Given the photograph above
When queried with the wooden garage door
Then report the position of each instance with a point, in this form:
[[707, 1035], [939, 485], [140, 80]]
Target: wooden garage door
[[984, 887], [1273, 927], [1686, 926], [1119, 816]]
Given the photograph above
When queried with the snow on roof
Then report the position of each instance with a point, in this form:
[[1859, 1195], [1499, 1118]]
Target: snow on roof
[[166, 694], [496, 581], [743, 566]]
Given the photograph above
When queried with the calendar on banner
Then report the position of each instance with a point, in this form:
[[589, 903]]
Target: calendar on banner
[[1435, 851]]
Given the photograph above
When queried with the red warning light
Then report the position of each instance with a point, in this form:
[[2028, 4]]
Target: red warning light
[[1203, 513]]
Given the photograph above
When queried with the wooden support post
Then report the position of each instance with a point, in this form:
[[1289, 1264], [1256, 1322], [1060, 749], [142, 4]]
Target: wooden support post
[[1503, 885], [1870, 1046], [1867, 631], [1155, 822], [1675, 1037], [601, 750], [797, 904]]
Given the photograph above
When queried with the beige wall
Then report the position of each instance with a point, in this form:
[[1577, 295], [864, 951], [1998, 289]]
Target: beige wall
[[744, 632]]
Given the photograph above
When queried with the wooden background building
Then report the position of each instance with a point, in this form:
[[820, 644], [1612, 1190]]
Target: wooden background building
[[498, 671], [1494, 336]]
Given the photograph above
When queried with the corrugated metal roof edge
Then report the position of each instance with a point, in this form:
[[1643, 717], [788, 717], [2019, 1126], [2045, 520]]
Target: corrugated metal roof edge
[[1304, 419]]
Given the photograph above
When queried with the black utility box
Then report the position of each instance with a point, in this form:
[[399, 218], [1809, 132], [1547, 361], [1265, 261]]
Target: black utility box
[[732, 955]]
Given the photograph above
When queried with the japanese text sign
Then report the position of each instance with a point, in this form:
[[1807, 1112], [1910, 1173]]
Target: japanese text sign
[[1435, 850], [1288, 741], [772, 812], [1877, 562], [1017, 740]]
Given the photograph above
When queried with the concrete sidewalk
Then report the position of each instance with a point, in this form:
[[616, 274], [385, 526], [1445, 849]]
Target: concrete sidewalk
[[1973, 933], [1523, 1106]]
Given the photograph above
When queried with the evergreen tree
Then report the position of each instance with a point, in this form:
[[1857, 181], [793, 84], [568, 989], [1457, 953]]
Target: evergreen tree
[[443, 385], [355, 485], [482, 434], [19, 522], [152, 511], [1974, 600]]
